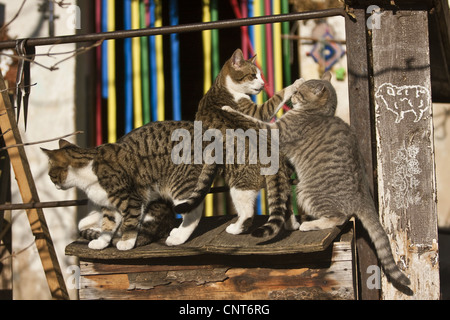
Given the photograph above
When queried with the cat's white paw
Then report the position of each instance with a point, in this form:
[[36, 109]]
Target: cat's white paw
[[125, 244], [227, 108], [308, 226], [298, 83], [176, 237], [98, 244], [235, 228], [289, 225]]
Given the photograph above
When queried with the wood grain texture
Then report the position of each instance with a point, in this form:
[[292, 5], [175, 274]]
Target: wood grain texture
[[405, 150], [211, 266], [211, 237]]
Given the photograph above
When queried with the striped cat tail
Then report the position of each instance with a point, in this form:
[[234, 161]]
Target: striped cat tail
[[272, 227], [278, 190], [371, 223], [205, 180], [90, 234]]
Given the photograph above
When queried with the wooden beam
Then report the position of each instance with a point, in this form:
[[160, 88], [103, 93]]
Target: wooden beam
[[361, 122], [404, 132], [29, 193]]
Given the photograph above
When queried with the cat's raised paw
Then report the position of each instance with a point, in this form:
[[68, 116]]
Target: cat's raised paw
[[298, 83], [98, 244]]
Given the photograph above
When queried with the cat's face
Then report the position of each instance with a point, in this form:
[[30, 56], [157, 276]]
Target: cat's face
[[58, 167], [316, 94], [59, 164], [243, 75]]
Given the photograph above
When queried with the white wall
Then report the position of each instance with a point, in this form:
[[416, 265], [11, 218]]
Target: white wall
[[51, 114]]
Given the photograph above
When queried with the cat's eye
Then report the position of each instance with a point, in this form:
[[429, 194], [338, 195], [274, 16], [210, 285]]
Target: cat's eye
[[253, 76]]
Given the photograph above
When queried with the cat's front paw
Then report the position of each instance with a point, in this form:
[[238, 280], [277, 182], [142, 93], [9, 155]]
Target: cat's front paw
[[227, 108], [235, 228], [98, 244], [296, 85], [176, 237], [125, 244]]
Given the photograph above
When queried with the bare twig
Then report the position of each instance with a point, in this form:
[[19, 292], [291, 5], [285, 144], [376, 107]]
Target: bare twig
[[10, 88], [5, 26], [15, 254], [75, 53], [39, 142]]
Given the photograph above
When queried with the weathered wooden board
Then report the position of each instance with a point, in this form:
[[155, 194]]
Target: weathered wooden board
[[361, 120], [211, 237], [28, 192], [327, 274], [405, 154]]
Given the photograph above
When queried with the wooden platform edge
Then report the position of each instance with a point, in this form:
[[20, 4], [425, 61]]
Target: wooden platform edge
[[211, 238]]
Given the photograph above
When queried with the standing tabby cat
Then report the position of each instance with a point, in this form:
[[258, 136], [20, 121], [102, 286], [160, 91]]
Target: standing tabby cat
[[237, 80], [332, 183], [126, 179]]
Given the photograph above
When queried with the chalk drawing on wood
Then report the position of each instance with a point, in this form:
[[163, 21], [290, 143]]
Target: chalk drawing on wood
[[405, 182], [400, 100]]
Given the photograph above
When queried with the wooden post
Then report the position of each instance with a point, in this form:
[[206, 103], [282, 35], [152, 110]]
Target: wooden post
[[29, 193], [405, 154], [361, 122]]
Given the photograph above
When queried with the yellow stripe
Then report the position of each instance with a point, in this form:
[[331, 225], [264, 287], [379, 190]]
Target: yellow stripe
[[136, 54], [278, 53], [112, 130], [206, 36], [159, 61]]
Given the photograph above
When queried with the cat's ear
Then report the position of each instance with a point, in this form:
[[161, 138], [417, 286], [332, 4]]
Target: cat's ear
[[49, 153], [252, 59], [64, 143], [320, 90], [326, 76], [237, 59]]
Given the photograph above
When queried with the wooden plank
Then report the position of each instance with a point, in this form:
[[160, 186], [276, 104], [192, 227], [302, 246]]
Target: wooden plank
[[404, 131], [255, 277], [361, 120], [29, 193], [211, 237]]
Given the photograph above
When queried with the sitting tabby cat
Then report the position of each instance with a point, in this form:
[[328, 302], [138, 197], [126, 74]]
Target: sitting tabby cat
[[154, 225], [237, 80], [332, 183], [125, 179]]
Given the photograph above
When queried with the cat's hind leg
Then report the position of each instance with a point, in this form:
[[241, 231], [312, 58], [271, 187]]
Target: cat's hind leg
[[132, 215], [244, 202], [324, 222], [110, 222], [190, 221]]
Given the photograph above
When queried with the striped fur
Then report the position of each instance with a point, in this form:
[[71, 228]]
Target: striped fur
[[134, 178], [156, 224], [237, 80], [332, 183]]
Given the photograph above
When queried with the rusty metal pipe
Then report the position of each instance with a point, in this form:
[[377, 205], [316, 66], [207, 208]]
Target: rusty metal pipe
[[69, 203], [177, 29]]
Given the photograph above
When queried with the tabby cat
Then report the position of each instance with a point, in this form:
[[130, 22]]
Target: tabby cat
[[127, 177], [332, 183], [237, 80]]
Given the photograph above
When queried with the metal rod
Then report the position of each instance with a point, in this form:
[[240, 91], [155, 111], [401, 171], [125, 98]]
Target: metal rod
[[178, 28], [70, 203], [49, 204]]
